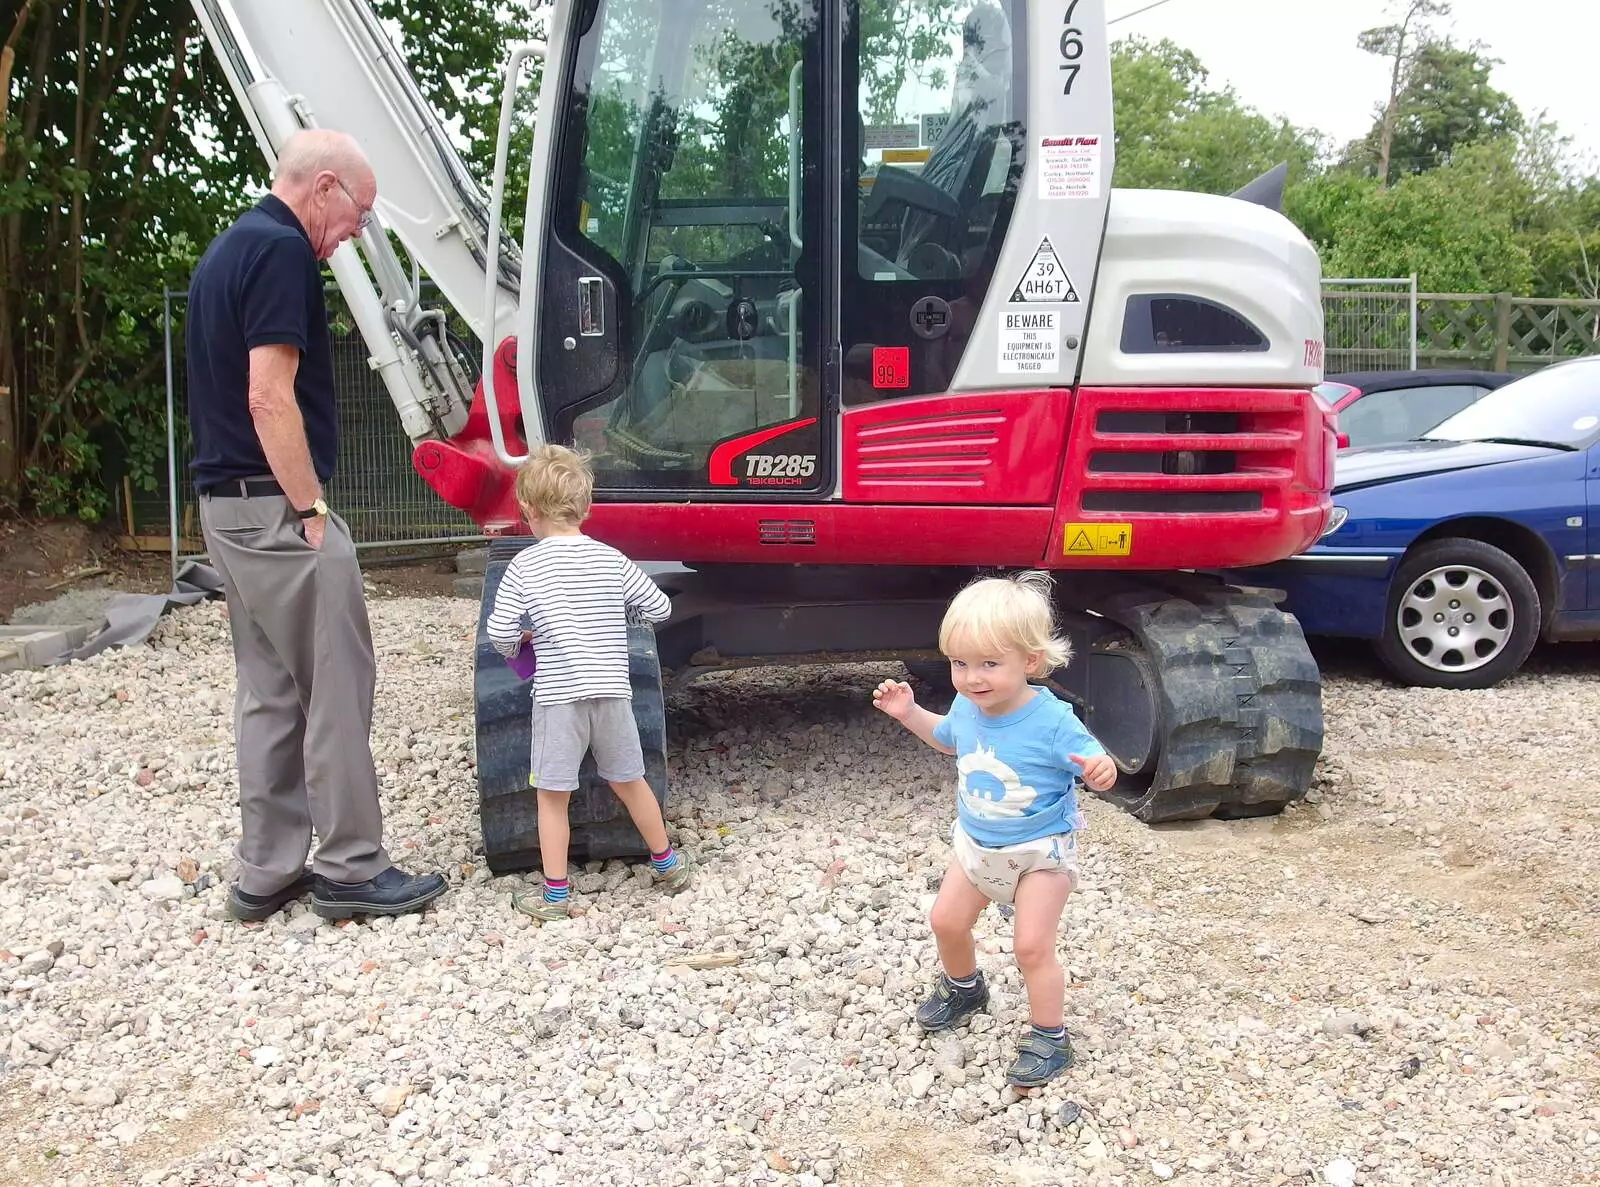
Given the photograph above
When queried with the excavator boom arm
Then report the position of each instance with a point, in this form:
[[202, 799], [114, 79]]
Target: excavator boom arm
[[296, 64]]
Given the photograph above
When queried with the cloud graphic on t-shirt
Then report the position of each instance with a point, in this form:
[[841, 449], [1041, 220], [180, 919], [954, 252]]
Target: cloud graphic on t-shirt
[[1001, 795]]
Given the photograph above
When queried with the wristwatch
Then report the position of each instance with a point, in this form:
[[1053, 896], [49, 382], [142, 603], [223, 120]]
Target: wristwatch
[[320, 507]]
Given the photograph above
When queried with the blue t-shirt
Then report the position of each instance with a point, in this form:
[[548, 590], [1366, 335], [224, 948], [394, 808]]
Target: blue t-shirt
[[1016, 782]]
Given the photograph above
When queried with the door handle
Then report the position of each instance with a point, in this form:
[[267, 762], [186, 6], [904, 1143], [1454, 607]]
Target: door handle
[[591, 308]]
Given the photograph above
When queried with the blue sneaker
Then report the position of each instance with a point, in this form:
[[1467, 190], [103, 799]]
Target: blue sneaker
[[949, 1003], [1040, 1059]]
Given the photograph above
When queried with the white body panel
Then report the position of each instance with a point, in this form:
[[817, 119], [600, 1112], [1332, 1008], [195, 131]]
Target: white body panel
[[1061, 203], [1245, 257]]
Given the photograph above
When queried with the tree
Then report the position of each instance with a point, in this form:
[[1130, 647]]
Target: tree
[[123, 152], [1562, 225], [1397, 43], [1456, 226], [455, 49], [1174, 132], [1448, 104]]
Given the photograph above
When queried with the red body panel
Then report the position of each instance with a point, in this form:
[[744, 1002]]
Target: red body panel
[[823, 533], [985, 478], [1281, 457], [464, 470], [1000, 448]]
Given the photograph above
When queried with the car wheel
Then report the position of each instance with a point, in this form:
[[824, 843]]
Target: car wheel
[[1461, 614]]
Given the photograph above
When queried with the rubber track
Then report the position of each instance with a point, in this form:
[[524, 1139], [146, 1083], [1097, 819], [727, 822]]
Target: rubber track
[[1240, 700], [1280, 704], [508, 810]]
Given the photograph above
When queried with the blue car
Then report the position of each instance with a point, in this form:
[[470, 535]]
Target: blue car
[[1456, 552]]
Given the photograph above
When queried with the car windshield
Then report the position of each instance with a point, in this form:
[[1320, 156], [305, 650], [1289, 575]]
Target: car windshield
[[1559, 406]]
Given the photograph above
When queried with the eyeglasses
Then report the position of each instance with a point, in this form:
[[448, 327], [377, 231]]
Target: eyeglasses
[[364, 219]]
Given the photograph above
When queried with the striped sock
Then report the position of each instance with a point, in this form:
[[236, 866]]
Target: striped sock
[[1055, 1033], [968, 982], [663, 861], [555, 890]]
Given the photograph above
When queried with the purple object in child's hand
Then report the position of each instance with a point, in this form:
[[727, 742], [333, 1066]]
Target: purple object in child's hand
[[525, 662]]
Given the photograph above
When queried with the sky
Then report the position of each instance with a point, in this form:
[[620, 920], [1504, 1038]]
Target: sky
[[1298, 58]]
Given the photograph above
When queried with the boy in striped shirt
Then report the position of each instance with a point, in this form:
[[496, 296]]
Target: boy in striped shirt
[[579, 596]]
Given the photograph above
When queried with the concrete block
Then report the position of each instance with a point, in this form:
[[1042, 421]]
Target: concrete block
[[469, 587], [34, 646], [473, 562]]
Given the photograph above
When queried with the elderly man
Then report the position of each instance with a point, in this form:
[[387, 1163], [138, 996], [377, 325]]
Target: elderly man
[[261, 408]]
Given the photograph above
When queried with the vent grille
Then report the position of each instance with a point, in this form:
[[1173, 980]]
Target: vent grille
[[786, 531], [1177, 502], [952, 450], [1227, 452]]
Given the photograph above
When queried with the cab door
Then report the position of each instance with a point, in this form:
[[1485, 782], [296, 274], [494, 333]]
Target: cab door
[[977, 142], [682, 327]]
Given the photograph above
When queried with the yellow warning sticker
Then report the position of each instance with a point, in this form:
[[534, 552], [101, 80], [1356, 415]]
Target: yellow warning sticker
[[1097, 539]]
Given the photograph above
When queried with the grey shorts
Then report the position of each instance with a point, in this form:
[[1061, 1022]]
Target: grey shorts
[[562, 734]]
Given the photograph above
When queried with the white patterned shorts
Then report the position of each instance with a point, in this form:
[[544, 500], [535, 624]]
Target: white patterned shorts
[[996, 872]]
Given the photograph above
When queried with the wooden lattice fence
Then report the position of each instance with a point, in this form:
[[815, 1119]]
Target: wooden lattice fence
[[1503, 333]]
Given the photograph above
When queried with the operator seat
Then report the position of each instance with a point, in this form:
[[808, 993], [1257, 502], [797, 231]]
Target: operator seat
[[959, 163]]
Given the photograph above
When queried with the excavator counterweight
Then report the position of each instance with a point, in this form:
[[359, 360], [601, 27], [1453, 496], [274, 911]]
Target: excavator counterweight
[[842, 302]]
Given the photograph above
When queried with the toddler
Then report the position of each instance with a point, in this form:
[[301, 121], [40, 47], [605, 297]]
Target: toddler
[[579, 595], [1018, 748]]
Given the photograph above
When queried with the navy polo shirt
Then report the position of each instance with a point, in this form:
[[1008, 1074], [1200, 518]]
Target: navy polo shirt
[[258, 284]]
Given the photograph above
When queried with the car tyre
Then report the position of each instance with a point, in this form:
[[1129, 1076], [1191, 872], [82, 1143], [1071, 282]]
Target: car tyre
[[1432, 572]]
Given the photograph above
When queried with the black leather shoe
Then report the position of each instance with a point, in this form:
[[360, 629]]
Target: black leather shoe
[[393, 892], [253, 908]]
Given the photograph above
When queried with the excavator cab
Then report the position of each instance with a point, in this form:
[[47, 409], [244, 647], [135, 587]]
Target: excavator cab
[[758, 200]]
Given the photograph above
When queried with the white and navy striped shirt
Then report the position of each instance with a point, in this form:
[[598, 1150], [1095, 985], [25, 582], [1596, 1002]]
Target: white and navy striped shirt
[[579, 596]]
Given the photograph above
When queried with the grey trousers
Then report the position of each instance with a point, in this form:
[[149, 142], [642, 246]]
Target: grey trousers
[[302, 647]]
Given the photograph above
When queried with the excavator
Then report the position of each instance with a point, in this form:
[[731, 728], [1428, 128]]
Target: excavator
[[840, 299]]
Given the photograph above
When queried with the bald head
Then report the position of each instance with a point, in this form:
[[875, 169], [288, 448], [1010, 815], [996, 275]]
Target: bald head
[[324, 177]]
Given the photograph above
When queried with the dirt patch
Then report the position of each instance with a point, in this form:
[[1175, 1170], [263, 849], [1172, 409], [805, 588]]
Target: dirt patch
[[40, 560], [433, 577], [44, 1152], [64, 571], [883, 1148]]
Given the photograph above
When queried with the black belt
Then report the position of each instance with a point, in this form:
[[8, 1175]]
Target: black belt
[[244, 488]]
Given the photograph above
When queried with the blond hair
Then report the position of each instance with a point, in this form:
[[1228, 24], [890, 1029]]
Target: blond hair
[[1011, 613], [555, 483]]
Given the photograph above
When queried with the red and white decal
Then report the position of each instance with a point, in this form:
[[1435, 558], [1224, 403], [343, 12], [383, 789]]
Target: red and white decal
[[761, 469]]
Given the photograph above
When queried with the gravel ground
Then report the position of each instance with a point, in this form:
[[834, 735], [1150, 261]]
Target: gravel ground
[[1396, 984]]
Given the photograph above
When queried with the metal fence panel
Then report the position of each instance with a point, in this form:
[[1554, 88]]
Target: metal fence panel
[[1369, 324], [374, 489]]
